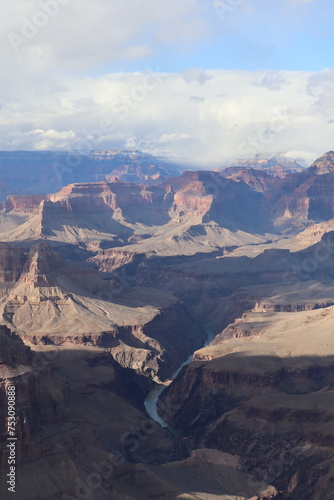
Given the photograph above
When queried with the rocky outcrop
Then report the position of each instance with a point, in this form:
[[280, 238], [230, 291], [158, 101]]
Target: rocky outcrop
[[153, 349], [258, 180], [110, 260], [205, 470], [12, 259], [13, 351], [305, 197], [27, 204], [267, 307], [82, 430], [264, 393], [274, 165], [36, 406], [77, 413], [47, 302], [40, 267], [87, 211], [211, 197], [323, 165]]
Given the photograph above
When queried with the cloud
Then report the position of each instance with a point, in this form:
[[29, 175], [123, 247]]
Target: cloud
[[84, 34], [172, 138], [195, 98], [136, 52], [60, 88], [157, 112], [272, 80], [196, 75]]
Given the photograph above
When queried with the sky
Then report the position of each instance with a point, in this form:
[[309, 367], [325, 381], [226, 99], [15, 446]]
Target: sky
[[201, 81]]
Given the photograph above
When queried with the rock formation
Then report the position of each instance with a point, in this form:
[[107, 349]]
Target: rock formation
[[109, 284], [264, 394], [42, 172], [79, 415], [274, 165], [47, 302]]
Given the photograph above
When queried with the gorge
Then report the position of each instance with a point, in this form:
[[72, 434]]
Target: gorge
[[108, 292]]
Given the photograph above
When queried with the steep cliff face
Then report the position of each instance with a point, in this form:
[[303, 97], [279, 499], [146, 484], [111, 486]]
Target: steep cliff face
[[264, 393], [12, 260], [220, 288], [48, 302], [13, 351], [214, 198], [41, 265], [256, 179], [277, 166], [82, 432], [112, 259], [39, 401], [120, 210], [312, 201], [307, 196], [25, 204], [213, 288], [89, 211], [323, 165], [77, 413], [198, 212]]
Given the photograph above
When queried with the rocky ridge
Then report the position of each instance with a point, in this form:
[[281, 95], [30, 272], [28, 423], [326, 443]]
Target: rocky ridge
[[264, 385], [41, 172], [121, 281], [76, 408], [47, 302]]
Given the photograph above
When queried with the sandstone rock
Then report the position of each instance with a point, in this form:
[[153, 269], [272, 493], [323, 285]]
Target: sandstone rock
[[78, 414], [41, 172], [266, 397], [47, 302], [42, 262], [272, 164]]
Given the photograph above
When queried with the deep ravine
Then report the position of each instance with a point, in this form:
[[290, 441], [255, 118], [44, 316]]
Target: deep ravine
[[153, 396]]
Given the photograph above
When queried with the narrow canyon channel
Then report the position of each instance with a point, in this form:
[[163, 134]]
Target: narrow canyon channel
[[153, 396]]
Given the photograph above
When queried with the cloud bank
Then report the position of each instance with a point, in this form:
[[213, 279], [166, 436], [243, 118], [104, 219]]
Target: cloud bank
[[204, 117], [60, 88]]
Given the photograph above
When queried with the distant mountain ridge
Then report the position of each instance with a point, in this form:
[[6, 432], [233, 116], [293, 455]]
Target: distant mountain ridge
[[42, 172], [197, 211], [276, 165]]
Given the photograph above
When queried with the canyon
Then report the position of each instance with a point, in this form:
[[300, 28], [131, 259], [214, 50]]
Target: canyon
[[42, 172], [111, 281]]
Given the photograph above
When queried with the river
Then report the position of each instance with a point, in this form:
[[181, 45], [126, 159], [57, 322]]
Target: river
[[152, 397]]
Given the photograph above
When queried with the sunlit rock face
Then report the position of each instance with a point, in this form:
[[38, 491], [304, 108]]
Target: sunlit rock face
[[113, 285]]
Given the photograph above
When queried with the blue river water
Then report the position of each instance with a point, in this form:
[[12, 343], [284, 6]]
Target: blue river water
[[152, 397]]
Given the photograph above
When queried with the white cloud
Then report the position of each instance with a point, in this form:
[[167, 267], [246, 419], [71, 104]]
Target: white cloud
[[172, 138], [136, 52], [196, 75], [155, 112], [272, 80], [82, 33]]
